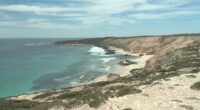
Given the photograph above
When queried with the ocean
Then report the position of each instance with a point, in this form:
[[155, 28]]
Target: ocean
[[30, 65]]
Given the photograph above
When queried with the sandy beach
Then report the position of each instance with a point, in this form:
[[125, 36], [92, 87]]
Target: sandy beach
[[140, 61], [122, 71]]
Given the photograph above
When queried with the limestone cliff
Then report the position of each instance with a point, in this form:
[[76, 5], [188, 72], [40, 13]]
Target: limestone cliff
[[169, 81], [156, 45]]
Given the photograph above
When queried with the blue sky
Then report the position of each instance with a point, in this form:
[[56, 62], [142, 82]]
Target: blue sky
[[97, 18]]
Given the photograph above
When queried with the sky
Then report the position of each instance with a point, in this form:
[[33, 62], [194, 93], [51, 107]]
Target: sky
[[97, 18]]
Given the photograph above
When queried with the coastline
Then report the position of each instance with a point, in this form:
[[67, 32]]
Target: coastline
[[139, 62], [123, 71], [173, 68]]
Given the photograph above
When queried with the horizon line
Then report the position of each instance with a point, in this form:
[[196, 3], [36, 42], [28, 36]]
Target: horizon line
[[145, 35]]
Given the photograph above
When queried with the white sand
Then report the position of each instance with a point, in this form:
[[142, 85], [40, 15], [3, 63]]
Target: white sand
[[26, 96], [125, 70], [140, 61]]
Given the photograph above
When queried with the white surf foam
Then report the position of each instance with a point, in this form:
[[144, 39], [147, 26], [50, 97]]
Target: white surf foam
[[61, 79], [81, 76], [97, 51], [35, 44], [107, 68], [106, 60], [73, 83]]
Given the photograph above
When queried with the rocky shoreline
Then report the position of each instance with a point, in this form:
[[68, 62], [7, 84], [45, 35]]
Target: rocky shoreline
[[174, 68]]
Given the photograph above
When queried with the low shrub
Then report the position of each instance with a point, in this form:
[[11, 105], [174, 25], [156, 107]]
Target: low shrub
[[23, 105], [92, 97], [127, 109], [196, 86], [126, 90]]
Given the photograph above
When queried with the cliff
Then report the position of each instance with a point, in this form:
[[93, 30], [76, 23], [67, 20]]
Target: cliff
[[156, 45], [169, 81]]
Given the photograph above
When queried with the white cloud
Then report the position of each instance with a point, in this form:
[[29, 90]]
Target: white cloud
[[35, 23], [99, 9], [113, 6], [100, 12], [165, 15], [32, 8], [36, 20]]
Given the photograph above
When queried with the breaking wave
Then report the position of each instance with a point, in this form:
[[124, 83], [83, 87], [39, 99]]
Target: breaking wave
[[106, 60], [98, 51], [36, 44]]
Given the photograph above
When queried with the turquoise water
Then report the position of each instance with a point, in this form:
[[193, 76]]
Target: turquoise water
[[28, 65]]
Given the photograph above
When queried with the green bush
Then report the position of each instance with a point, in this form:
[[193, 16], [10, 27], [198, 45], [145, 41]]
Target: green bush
[[126, 90], [196, 70], [23, 105], [196, 86], [90, 96], [127, 109]]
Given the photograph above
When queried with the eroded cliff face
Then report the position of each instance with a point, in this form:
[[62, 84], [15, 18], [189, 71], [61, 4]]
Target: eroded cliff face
[[159, 46]]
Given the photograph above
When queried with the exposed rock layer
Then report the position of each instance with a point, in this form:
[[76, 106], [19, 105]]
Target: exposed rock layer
[[157, 45]]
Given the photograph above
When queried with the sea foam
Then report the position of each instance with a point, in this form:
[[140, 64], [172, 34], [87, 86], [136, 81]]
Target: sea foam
[[36, 44], [97, 51], [106, 60]]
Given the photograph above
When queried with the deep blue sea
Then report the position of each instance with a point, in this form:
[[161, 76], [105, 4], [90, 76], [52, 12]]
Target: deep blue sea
[[29, 65]]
